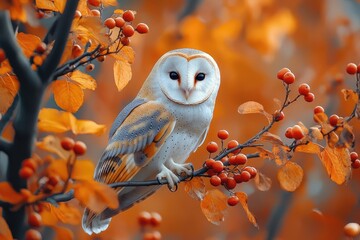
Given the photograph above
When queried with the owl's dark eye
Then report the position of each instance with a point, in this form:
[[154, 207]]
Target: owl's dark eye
[[200, 76], [174, 75]]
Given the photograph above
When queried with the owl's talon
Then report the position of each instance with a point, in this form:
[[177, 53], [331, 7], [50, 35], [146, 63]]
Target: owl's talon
[[192, 172], [174, 188], [171, 178]]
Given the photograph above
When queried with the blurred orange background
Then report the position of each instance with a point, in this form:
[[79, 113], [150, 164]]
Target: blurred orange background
[[250, 40]]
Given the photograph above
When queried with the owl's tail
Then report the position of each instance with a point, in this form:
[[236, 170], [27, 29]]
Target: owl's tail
[[93, 223]]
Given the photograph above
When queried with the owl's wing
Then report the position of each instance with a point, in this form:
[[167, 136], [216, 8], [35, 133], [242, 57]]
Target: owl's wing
[[201, 139], [136, 136]]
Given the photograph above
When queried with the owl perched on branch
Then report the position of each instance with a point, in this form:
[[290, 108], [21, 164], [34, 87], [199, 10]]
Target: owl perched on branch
[[154, 134]]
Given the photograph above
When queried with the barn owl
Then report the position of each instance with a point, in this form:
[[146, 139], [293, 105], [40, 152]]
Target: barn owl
[[153, 135]]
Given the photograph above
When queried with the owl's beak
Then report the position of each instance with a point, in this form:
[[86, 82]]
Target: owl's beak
[[187, 92]]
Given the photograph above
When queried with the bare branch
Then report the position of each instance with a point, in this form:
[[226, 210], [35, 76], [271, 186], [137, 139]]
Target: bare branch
[[61, 36], [4, 145]]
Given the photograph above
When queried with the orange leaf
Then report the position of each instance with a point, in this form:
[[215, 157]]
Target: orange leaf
[[262, 182], [265, 154], [95, 195], [62, 233], [5, 67], [84, 80], [309, 147], [60, 5], [28, 42], [122, 74], [69, 96], [46, 5], [347, 137], [214, 205], [58, 167], [5, 233], [281, 153], [109, 2], [350, 94], [272, 138], [126, 53], [254, 107], [243, 200], [320, 117], [9, 195], [9, 87], [90, 28], [290, 176], [52, 120], [52, 144], [195, 188], [337, 163], [83, 170], [64, 213], [315, 134]]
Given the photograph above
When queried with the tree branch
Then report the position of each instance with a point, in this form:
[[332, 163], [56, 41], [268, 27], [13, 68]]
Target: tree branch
[[61, 35], [9, 113], [4, 145]]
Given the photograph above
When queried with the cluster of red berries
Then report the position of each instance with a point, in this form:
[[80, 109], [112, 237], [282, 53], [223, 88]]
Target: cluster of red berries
[[78, 147], [294, 132], [230, 170], [289, 78], [148, 221], [34, 221], [352, 68], [334, 120], [355, 161]]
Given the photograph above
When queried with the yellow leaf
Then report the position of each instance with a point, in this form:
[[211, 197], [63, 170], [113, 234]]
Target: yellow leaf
[[126, 53], [254, 107], [69, 96], [337, 163], [52, 144], [214, 205], [5, 233], [195, 188], [9, 87], [95, 195], [28, 42], [243, 200], [90, 28], [122, 74], [262, 182], [60, 5], [290, 176], [84, 80], [309, 147], [52, 120], [8, 194]]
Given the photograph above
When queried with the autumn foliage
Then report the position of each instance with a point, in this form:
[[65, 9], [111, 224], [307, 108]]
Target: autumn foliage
[[282, 146]]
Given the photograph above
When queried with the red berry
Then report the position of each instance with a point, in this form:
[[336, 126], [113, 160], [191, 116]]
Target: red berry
[[223, 134], [245, 176], [233, 200], [212, 147], [67, 143], [53, 180], [215, 180], [333, 120], [31, 163], [239, 159], [297, 132], [76, 50], [128, 16], [77, 14], [79, 148], [125, 41], [144, 218], [223, 177], [26, 172], [142, 28], [94, 3], [288, 133], [355, 164], [309, 97], [230, 183], [251, 170], [278, 116], [352, 230], [153, 235], [218, 166], [155, 219], [34, 220], [289, 78], [209, 162], [211, 172], [238, 178], [119, 22], [95, 12], [110, 23], [232, 144], [2, 55], [128, 30], [351, 68], [101, 58], [304, 89], [90, 67], [41, 47], [354, 156], [280, 74], [32, 234], [318, 109]]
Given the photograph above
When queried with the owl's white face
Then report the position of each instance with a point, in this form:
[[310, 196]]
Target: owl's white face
[[188, 79]]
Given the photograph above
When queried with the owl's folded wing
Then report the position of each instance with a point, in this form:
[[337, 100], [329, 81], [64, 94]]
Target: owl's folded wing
[[133, 144]]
